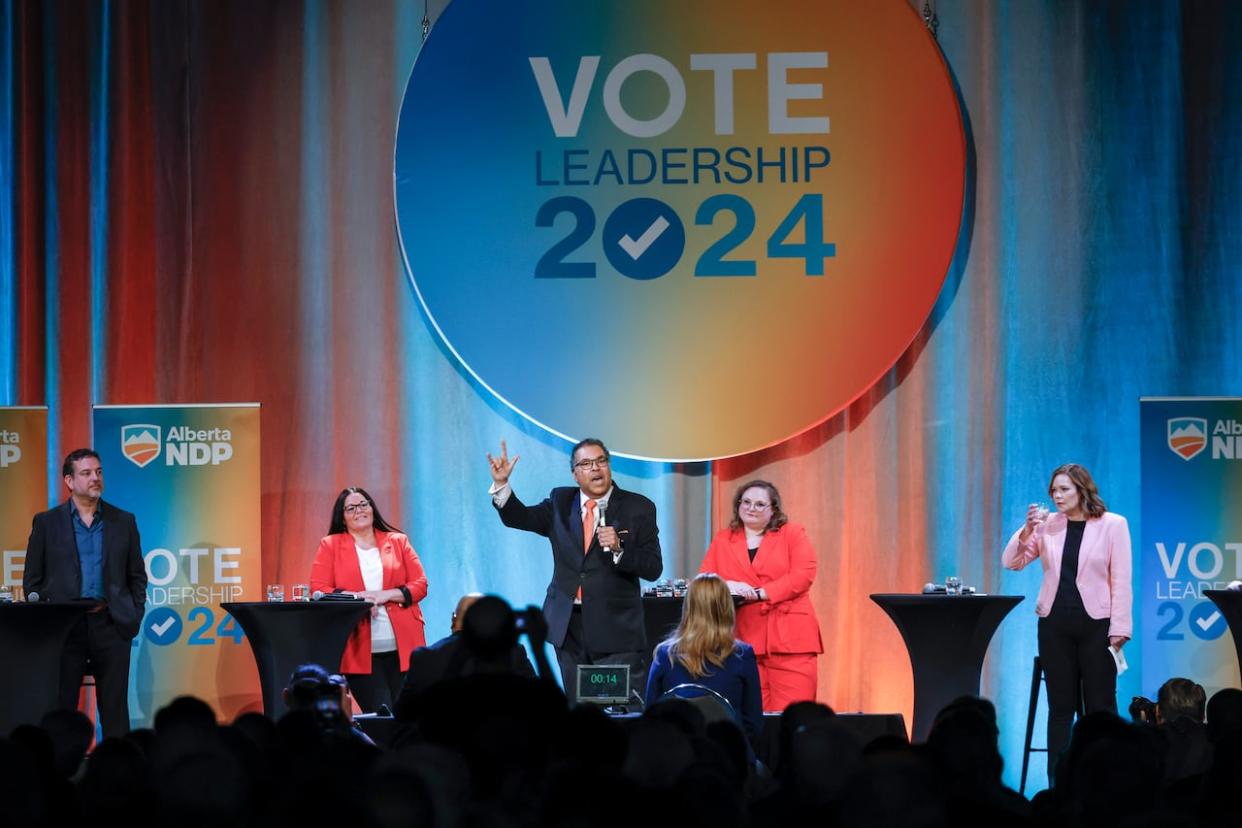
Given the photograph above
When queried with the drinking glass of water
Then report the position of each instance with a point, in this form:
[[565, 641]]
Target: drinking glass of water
[[952, 585], [276, 593]]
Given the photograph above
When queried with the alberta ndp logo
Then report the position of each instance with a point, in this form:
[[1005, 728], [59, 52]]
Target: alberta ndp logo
[[1187, 436], [1221, 438], [143, 443], [140, 443], [10, 448]]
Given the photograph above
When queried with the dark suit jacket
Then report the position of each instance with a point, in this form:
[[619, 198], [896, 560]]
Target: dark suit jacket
[[449, 659], [612, 608], [54, 571]]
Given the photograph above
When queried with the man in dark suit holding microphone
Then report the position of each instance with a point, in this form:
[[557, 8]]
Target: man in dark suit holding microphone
[[604, 540], [88, 550]]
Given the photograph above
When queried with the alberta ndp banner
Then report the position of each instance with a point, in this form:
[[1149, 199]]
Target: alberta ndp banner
[[190, 474], [1192, 537], [23, 484]]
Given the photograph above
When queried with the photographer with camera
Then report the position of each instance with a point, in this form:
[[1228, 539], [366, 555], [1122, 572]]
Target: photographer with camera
[[483, 641], [1180, 707], [312, 689]]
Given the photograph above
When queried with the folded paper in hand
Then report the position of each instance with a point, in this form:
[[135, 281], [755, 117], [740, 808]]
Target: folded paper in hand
[[1119, 658]]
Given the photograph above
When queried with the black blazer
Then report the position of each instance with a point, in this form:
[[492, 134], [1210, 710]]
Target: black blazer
[[612, 607], [54, 571], [448, 659]]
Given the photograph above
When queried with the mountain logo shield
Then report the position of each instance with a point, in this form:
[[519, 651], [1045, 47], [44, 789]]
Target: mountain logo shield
[[140, 443], [1187, 436]]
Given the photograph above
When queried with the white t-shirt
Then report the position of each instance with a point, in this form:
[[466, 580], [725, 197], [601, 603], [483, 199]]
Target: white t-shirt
[[383, 639]]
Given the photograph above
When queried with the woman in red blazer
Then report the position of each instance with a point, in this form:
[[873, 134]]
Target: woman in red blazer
[[365, 557], [770, 564]]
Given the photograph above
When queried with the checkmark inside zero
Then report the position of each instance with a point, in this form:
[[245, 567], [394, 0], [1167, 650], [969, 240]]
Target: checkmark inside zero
[[635, 248], [160, 629], [1207, 621]]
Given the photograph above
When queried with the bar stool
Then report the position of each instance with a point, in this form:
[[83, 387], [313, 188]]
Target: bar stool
[[1037, 675]]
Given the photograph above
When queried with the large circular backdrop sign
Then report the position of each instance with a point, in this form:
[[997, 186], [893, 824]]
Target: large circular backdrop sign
[[693, 229]]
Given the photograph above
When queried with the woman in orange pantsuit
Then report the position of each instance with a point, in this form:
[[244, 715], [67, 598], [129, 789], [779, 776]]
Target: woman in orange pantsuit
[[769, 564]]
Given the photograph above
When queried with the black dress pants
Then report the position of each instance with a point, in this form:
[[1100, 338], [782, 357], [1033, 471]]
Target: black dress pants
[[96, 646], [380, 686], [1073, 648], [576, 650]]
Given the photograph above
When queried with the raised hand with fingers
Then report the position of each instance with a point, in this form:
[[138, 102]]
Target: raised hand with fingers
[[501, 467]]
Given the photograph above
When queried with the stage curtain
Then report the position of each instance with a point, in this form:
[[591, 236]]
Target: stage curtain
[[197, 206]]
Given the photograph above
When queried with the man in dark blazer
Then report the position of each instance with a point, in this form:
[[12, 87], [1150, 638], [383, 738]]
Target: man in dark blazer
[[604, 540], [88, 550]]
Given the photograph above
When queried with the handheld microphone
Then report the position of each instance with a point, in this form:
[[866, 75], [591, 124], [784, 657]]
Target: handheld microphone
[[330, 597], [602, 524]]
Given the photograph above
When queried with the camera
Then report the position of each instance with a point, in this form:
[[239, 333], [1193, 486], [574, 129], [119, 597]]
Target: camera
[[531, 623], [1142, 710]]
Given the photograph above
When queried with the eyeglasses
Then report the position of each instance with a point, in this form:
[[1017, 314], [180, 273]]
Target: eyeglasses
[[596, 463], [755, 505], [357, 507]]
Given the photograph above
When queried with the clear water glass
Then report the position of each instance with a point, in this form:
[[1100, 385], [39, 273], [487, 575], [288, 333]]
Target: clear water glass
[[301, 592], [952, 585], [276, 593]]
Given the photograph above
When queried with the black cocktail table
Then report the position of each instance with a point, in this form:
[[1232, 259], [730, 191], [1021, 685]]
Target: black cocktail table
[[285, 635], [1230, 604], [947, 637], [32, 638]]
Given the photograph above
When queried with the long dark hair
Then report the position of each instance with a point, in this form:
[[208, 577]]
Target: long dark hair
[[778, 518], [337, 526]]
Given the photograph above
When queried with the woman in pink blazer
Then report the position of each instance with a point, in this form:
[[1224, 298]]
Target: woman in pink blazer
[[1084, 599], [365, 557], [770, 564]]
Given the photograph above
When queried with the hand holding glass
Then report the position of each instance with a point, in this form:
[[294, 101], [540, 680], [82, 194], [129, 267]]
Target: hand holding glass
[[1036, 514]]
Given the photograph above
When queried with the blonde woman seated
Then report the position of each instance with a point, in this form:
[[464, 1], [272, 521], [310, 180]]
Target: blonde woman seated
[[703, 651]]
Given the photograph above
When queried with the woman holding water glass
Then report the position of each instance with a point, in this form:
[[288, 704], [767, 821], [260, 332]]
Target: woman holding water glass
[[769, 564], [365, 557], [1084, 599]]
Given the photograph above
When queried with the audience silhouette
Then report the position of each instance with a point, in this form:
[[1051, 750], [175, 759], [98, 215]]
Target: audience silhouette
[[491, 745]]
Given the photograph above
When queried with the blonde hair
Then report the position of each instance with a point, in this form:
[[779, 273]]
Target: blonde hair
[[705, 634]]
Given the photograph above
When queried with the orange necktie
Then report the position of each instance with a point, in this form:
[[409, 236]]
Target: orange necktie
[[588, 532], [588, 526]]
